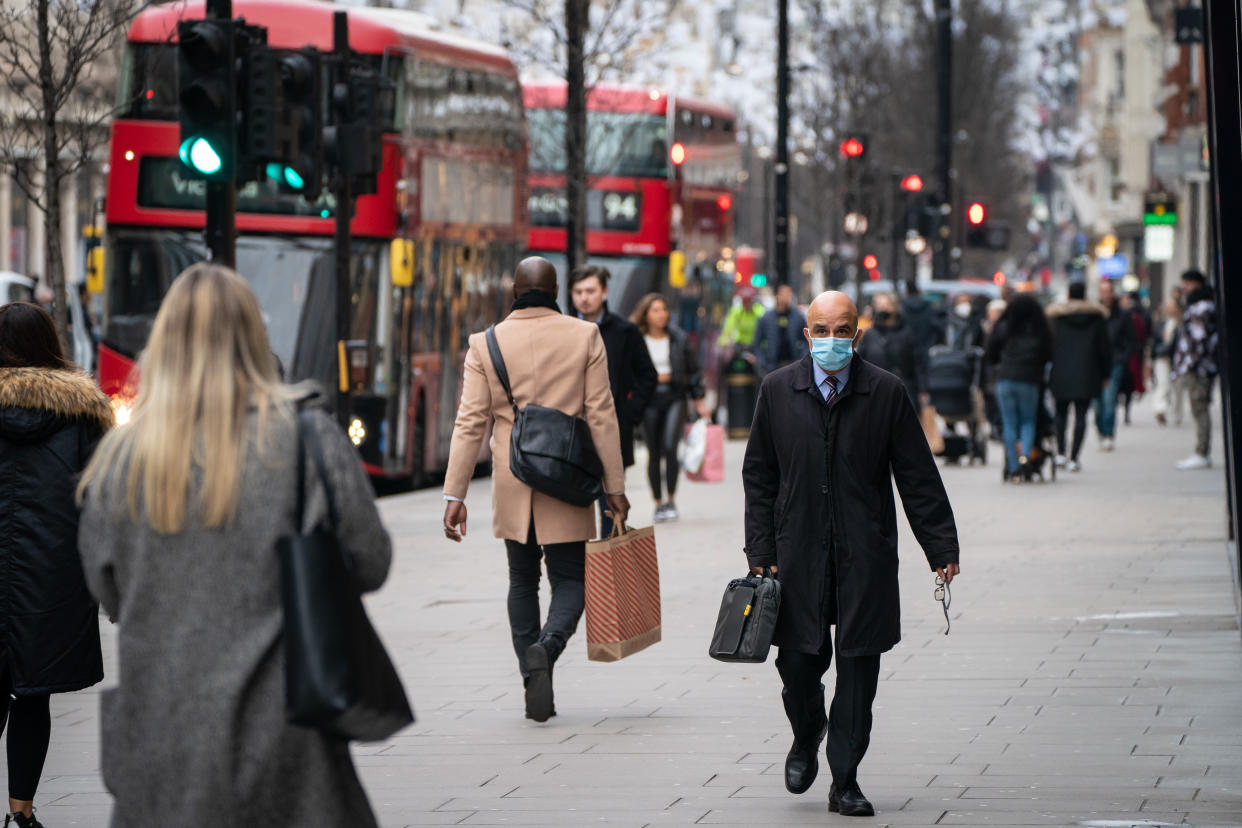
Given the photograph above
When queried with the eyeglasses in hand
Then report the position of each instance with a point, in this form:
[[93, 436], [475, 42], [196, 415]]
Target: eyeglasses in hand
[[945, 596]]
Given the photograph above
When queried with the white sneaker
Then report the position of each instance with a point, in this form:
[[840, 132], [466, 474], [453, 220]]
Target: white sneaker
[[1194, 461], [1059, 460], [1107, 444], [1073, 466]]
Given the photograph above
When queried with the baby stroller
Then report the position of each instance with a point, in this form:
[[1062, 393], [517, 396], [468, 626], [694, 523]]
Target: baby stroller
[[953, 378]]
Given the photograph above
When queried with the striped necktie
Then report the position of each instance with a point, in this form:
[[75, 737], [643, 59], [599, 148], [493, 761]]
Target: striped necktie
[[831, 382]]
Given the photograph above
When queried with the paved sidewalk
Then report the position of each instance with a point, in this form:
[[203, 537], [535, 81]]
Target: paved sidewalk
[[1093, 675]]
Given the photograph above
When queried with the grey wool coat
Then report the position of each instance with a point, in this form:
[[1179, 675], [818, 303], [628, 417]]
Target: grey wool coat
[[195, 734]]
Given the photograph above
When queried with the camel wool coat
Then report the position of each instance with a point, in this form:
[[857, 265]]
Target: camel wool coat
[[555, 361]]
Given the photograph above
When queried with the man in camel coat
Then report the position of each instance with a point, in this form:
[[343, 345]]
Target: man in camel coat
[[558, 362]]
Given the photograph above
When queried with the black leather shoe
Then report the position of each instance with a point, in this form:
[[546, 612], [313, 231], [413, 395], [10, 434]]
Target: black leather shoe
[[539, 704], [802, 765], [849, 801]]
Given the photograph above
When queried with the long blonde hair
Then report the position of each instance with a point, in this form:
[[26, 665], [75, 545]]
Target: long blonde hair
[[206, 364]]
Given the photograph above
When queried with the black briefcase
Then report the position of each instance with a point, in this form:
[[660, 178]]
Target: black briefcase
[[747, 619]]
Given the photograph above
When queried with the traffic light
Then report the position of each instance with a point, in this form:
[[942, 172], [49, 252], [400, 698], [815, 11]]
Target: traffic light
[[854, 146], [976, 214], [353, 142], [912, 184], [207, 92], [302, 90]]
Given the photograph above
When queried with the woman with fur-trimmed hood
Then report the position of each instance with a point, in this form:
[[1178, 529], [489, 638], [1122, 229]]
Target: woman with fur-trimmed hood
[[51, 418], [1081, 361]]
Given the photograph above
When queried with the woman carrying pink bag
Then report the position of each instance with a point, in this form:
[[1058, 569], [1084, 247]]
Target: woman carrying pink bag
[[679, 380]]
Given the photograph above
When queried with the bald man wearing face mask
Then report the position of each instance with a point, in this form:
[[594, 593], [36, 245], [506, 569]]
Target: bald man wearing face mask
[[831, 433]]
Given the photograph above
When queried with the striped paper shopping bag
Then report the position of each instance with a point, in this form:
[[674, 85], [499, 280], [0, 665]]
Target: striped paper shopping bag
[[622, 594]]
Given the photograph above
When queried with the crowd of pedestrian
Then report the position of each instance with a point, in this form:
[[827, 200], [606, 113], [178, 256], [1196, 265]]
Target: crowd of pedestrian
[[1076, 356]]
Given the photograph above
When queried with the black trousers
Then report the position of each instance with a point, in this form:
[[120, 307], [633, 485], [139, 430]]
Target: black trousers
[[849, 720], [566, 564], [663, 424], [29, 721], [1081, 407]]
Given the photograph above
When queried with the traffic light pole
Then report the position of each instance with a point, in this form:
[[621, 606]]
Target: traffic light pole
[[781, 253], [220, 232], [342, 192], [944, 135]]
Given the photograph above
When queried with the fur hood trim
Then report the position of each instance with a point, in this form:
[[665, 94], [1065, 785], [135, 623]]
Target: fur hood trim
[[67, 394], [1073, 307]]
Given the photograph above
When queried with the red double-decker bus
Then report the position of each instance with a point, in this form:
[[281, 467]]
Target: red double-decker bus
[[452, 184], [662, 172]]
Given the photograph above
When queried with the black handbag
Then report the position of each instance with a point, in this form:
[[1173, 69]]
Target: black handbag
[[550, 451], [747, 619], [338, 677]]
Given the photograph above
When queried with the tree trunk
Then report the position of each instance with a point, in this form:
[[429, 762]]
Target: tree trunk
[[577, 21], [52, 178]]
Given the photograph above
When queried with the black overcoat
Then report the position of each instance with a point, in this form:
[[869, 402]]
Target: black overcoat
[[818, 482], [630, 373], [50, 422]]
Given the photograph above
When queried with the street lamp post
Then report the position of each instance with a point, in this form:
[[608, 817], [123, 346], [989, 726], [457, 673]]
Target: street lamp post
[[781, 253]]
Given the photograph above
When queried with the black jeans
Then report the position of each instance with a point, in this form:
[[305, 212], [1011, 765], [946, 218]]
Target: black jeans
[[663, 424], [566, 572], [1081, 407], [29, 720], [849, 721]]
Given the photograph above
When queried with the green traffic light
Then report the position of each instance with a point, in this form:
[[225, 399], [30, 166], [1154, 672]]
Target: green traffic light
[[759, 280], [273, 171], [198, 154], [293, 179]]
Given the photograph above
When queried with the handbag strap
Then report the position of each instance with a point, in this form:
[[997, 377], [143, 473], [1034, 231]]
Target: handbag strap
[[308, 440], [498, 362]]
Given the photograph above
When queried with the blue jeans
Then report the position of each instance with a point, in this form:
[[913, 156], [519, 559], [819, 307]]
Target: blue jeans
[[1019, 405], [1106, 404]]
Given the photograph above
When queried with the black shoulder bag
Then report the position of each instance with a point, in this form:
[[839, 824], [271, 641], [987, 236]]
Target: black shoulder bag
[[338, 677], [550, 451]]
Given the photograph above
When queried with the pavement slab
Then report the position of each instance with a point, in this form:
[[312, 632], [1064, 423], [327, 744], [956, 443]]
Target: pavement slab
[[1092, 676]]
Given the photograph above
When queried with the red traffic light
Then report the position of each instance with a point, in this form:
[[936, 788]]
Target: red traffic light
[[870, 262], [912, 184], [998, 278], [852, 148], [874, 275], [677, 154], [976, 213], [724, 202]]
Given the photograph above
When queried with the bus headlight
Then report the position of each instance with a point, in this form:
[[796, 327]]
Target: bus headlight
[[357, 432], [121, 411]]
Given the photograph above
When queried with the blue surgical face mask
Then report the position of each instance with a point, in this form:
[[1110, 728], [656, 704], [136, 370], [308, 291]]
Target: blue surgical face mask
[[832, 353]]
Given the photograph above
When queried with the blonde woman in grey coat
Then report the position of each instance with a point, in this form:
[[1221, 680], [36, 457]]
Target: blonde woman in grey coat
[[183, 507]]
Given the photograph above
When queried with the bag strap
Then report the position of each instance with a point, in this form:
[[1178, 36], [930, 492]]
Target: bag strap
[[308, 440], [498, 362]]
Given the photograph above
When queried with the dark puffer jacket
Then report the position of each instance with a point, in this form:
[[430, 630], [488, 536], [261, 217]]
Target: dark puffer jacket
[[50, 422], [1081, 351]]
